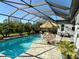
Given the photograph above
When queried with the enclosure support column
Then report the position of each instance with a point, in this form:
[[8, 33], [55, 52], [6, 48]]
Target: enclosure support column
[[76, 39]]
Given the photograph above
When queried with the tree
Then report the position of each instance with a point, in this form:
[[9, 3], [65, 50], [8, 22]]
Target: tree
[[13, 25], [28, 27], [1, 29], [19, 28], [4, 30], [36, 27]]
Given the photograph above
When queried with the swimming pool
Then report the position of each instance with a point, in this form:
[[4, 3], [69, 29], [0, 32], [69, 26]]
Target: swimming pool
[[14, 47]]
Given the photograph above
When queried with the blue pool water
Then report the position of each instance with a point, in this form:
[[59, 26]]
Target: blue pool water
[[14, 47]]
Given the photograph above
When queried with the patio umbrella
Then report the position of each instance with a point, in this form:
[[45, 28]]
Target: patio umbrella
[[48, 24]]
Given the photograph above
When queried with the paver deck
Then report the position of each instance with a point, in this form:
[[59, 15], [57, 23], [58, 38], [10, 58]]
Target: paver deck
[[39, 50]]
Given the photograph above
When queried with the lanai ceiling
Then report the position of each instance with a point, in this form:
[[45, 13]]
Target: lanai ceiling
[[36, 10]]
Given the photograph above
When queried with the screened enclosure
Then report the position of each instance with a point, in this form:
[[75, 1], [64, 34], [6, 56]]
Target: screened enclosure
[[37, 10]]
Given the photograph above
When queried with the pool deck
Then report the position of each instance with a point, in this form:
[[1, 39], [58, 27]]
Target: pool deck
[[39, 50]]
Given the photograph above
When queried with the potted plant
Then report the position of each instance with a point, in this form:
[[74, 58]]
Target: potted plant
[[67, 49]]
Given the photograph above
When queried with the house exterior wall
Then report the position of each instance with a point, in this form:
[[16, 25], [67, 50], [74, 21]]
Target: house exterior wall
[[67, 28]]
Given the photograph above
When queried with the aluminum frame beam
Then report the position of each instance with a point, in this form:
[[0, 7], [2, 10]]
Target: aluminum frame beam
[[12, 16], [35, 5], [74, 8], [63, 22], [57, 6], [17, 17], [37, 10], [20, 9]]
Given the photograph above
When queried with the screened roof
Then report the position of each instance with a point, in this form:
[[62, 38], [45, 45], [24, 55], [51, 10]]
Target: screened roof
[[35, 10]]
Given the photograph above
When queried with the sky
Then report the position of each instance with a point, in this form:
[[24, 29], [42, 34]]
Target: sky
[[5, 9]]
